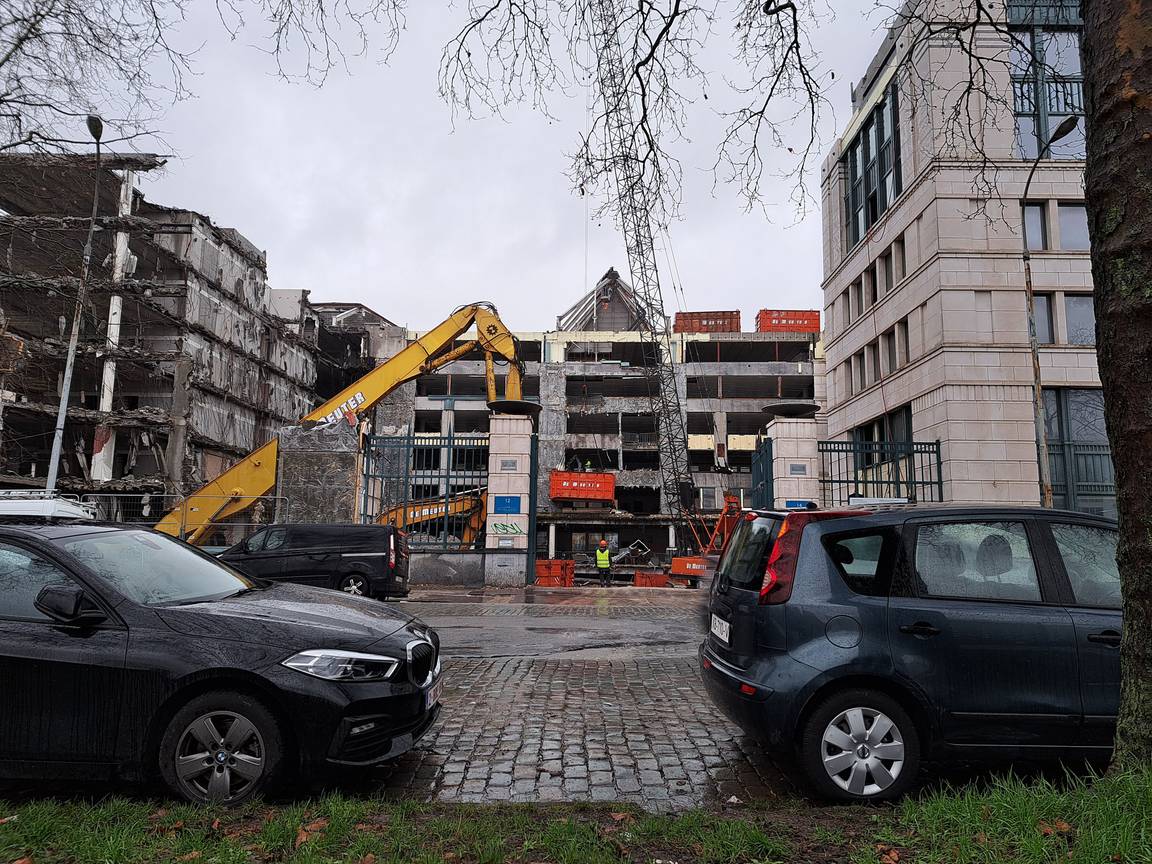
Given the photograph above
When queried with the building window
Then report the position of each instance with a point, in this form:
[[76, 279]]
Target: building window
[[889, 276], [870, 287], [889, 342], [1047, 86], [873, 352], [1044, 333], [1035, 227], [861, 376], [902, 353], [895, 427], [1080, 313], [872, 167], [1079, 457], [857, 298], [1073, 228]]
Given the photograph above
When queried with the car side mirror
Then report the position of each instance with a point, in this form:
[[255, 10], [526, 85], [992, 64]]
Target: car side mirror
[[68, 604]]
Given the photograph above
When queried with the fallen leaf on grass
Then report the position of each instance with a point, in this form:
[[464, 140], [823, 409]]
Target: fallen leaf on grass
[[982, 839], [215, 824], [1057, 826], [8, 819], [369, 858], [362, 826], [620, 817], [159, 814], [888, 855], [191, 856], [304, 834], [22, 861]]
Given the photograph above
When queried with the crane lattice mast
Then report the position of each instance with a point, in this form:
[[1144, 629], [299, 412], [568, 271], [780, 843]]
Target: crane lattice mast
[[634, 201]]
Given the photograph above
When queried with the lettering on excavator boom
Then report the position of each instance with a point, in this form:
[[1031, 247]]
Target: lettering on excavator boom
[[344, 408]]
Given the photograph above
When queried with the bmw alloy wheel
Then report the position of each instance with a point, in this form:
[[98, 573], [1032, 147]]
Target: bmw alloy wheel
[[862, 751], [219, 757]]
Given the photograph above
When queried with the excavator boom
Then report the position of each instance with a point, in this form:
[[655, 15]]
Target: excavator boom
[[254, 476]]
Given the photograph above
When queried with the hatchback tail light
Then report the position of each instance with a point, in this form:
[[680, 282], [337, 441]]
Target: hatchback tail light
[[392, 550], [780, 572]]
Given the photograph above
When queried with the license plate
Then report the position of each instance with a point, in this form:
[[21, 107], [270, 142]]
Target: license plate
[[433, 693], [721, 629]]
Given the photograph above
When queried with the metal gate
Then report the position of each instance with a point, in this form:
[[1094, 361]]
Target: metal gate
[[433, 486], [763, 489], [903, 470]]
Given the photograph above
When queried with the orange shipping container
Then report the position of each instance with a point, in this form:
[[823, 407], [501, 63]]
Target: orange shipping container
[[788, 321], [581, 486], [706, 322]]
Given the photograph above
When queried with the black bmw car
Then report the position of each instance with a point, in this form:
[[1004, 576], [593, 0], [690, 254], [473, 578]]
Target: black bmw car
[[126, 653]]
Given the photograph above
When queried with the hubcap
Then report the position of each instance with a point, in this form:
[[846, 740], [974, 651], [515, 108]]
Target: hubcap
[[862, 751], [219, 757], [354, 586]]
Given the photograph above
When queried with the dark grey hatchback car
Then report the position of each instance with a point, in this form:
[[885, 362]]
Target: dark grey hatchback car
[[864, 642]]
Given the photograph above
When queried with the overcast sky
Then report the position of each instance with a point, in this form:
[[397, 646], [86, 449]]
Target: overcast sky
[[365, 190]]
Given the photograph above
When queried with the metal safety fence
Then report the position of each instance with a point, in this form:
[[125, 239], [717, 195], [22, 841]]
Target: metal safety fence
[[433, 486], [894, 470], [1083, 477]]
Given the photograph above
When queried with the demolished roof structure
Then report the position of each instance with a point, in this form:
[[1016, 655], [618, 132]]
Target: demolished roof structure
[[610, 305]]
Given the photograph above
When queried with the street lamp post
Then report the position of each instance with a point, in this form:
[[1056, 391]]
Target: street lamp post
[[96, 129], [1061, 131]]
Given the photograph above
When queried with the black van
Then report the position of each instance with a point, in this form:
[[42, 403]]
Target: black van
[[365, 560]]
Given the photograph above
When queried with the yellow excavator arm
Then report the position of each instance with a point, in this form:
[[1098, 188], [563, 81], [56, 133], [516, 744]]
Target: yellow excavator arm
[[472, 504], [237, 488]]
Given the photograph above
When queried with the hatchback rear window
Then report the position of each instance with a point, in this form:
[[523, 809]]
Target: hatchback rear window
[[747, 554]]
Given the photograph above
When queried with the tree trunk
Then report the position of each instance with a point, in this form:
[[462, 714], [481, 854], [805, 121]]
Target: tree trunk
[[1117, 54]]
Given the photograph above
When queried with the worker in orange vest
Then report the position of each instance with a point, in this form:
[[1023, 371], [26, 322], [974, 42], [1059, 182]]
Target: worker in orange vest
[[604, 564]]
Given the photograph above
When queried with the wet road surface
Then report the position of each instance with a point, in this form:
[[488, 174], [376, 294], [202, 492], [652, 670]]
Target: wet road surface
[[577, 695]]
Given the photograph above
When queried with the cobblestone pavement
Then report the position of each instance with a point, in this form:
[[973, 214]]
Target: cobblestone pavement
[[527, 728]]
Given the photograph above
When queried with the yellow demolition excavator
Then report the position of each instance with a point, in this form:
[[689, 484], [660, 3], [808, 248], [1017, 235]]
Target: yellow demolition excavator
[[255, 475]]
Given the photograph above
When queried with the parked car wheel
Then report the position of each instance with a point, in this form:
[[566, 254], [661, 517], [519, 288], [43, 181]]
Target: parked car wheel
[[221, 748], [860, 745], [355, 584]]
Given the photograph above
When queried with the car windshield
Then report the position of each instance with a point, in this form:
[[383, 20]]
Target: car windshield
[[153, 569]]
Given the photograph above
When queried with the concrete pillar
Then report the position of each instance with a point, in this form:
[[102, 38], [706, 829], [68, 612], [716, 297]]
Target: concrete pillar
[[795, 460], [552, 540], [104, 441], [509, 496]]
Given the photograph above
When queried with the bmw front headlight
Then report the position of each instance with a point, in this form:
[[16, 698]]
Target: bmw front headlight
[[334, 665]]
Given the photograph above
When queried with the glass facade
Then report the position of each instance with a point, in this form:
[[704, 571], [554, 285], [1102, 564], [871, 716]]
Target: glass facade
[[1047, 87], [1079, 457], [872, 167]]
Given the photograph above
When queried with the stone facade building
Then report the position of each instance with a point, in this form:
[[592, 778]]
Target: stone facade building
[[926, 324]]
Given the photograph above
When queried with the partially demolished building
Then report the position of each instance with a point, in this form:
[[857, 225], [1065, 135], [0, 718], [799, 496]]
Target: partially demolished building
[[587, 374], [187, 358]]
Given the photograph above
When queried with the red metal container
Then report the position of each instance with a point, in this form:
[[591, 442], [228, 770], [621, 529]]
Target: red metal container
[[650, 579], [555, 573], [581, 486], [554, 581], [788, 321], [706, 322]]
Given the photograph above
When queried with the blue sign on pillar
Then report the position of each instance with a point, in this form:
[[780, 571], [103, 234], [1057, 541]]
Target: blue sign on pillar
[[507, 505]]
